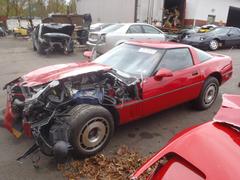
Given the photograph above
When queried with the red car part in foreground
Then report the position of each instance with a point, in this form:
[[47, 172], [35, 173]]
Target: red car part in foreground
[[78, 105], [207, 151]]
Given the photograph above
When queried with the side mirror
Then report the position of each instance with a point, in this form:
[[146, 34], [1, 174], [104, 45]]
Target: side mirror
[[163, 73]]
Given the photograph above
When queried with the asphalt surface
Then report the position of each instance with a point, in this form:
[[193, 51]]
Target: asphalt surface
[[145, 136]]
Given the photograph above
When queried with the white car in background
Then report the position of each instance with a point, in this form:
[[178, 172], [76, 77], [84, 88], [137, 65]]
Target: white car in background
[[99, 26], [116, 34]]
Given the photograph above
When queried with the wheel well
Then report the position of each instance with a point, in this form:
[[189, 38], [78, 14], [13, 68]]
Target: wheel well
[[216, 39], [115, 115], [222, 42], [218, 76]]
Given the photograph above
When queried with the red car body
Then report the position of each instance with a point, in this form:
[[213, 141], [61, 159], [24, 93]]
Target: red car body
[[181, 86], [207, 151]]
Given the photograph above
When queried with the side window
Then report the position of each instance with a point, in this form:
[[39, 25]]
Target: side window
[[234, 31], [202, 56], [150, 30], [176, 59], [135, 29]]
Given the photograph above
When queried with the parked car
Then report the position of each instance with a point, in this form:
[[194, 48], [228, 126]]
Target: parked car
[[20, 31], [78, 105], [82, 35], [219, 37], [182, 34], [99, 26], [49, 37], [2, 32], [207, 28], [116, 34], [207, 151]]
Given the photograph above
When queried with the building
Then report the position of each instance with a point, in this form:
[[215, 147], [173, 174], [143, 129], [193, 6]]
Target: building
[[192, 12]]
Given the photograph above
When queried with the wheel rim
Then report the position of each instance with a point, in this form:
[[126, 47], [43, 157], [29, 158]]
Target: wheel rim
[[210, 94], [94, 134], [213, 44]]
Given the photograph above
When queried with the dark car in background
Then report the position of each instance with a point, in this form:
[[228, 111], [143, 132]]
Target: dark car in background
[[213, 40], [49, 37], [182, 34]]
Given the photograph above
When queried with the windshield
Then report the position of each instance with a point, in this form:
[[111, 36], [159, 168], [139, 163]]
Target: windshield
[[135, 60], [111, 28]]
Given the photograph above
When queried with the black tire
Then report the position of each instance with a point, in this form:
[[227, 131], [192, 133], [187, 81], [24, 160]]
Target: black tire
[[91, 129], [40, 50], [214, 44], [208, 94]]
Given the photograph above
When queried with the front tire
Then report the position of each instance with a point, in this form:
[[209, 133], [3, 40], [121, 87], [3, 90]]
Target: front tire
[[214, 45], [40, 50], [208, 94], [91, 129]]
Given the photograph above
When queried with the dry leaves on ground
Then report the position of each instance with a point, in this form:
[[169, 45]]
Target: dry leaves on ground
[[118, 166]]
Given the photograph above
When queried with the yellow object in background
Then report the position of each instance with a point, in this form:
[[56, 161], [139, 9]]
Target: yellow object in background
[[20, 31], [16, 133]]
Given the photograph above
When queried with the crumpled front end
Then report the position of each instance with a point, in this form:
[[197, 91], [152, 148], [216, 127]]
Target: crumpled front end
[[13, 119], [57, 41], [42, 110]]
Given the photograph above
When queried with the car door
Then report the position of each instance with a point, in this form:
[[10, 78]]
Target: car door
[[135, 32], [184, 85], [153, 33], [233, 37]]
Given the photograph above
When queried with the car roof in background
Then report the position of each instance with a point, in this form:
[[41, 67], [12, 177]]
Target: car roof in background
[[160, 45], [56, 25]]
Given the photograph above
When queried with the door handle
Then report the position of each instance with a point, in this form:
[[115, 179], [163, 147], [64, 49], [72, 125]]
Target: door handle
[[194, 73]]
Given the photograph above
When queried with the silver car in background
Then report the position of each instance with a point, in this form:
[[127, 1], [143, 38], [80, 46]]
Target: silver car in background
[[116, 34], [99, 26]]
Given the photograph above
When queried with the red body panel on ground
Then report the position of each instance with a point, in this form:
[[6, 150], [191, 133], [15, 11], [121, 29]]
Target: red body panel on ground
[[208, 151]]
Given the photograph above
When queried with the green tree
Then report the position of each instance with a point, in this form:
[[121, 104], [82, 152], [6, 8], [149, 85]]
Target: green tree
[[72, 7]]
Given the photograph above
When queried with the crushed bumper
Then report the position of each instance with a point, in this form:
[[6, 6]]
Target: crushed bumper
[[8, 122], [100, 48]]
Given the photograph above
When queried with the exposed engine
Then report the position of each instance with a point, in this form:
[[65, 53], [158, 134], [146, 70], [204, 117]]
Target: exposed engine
[[45, 108]]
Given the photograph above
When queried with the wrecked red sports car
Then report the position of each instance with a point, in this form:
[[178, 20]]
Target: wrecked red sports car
[[207, 151], [77, 106]]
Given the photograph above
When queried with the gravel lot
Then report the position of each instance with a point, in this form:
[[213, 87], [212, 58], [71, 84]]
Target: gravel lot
[[146, 136]]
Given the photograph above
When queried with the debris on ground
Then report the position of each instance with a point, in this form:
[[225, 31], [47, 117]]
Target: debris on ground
[[118, 166]]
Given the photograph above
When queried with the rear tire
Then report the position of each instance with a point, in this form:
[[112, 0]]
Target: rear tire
[[91, 129], [208, 94]]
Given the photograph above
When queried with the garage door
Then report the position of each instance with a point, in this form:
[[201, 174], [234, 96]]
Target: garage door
[[233, 17]]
